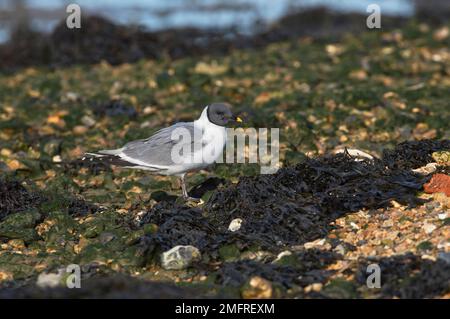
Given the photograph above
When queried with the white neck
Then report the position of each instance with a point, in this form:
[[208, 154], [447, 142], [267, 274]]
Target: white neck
[[203, 120], [213, 134]]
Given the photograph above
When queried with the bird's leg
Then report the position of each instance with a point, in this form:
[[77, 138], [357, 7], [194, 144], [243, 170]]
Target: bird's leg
[[185, 193], [183, 187]]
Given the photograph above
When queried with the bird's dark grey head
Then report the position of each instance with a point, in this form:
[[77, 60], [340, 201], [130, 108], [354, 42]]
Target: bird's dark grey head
[[220, 114]]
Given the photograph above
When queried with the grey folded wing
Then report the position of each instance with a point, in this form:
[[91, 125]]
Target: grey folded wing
[[157, 149]]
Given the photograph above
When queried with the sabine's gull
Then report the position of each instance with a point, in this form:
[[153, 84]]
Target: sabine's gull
[[155, 154]]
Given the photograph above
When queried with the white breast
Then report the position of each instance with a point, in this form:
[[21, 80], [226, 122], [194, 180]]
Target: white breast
[[214, 140]]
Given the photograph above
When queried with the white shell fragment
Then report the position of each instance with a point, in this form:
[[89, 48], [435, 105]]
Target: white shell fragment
[[356, 153], [235, 225], [427, 169]]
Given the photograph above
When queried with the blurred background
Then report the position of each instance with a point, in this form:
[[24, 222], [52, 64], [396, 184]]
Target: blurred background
[[184, 27], [244, 15]]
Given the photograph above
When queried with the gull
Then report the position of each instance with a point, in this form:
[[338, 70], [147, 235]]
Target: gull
[[178, 149]]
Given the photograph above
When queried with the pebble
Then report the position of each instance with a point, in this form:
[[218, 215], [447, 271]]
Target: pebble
[[57, 159], [439, 183], [444, 256], [179, 257], [340, 249], [80, 129], [442, 199], [388, 223], [429, 228], [258, 288], [354, 226], [6, 152], [441, 34], [259, 255], [50, 280], [316, 243], [431, 206], [282, 254], [235, 225], [88, 121], [16, 243], [106, 237], [4, 276], [139, 216], [149, 110], [317, 286], [428, 257], [72, 96]]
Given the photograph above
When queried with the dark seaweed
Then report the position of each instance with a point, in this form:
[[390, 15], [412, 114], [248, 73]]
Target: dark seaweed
[[295, 205], [14, 197]]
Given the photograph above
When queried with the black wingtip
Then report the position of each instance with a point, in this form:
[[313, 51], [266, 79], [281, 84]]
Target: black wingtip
[[107, 158]]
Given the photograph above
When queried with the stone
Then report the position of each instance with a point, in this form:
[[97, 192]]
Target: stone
[[284, 253], [87, 121], [257, 288], [316, 287], [388, 223], [179, 257], [57, 159], [72, 96], [50, 280], [213, 68], [442, 157], [106, 237], [16, 243], [80, 129], [340, 249], [444, 256], [53, 147], [354, 226], [429, 228], [441, 33], [318, 243], [439, 183], [6, 276], [443, 199]]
